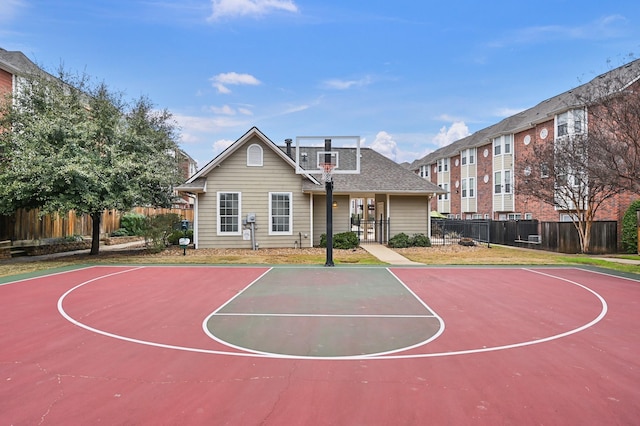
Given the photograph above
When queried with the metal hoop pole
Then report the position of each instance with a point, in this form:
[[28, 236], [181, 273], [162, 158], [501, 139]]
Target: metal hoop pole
[[329, 188]]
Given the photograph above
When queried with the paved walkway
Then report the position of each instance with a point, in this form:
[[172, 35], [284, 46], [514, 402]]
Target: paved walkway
[[387, 255]]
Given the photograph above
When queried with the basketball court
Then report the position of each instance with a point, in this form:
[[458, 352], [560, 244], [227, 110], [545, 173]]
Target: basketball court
[[320, 346]]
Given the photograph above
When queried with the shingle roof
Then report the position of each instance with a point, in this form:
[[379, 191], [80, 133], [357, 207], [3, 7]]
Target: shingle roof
[[377, 174], [604, 84]]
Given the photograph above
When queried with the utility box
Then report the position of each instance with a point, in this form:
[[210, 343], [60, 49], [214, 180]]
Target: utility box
[[251, 218]]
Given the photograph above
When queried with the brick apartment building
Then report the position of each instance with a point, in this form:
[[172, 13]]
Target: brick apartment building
[[480, 171]]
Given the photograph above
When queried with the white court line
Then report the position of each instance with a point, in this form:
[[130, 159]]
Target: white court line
[[345, 358]]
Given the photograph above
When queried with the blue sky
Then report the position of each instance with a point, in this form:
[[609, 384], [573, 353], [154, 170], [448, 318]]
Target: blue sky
[[406, 76]]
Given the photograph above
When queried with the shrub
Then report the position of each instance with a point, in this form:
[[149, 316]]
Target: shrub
[[630, 228], [419, 240], [174, 237], [133, 223], [400, 240], [120, 233], [158, 228], [343, 240]]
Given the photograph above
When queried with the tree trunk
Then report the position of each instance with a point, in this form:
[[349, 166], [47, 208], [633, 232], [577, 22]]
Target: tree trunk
[[95, 233]]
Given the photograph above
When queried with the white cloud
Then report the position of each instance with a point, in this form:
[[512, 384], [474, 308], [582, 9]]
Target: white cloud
[[339, 84], [235, 8], [9, 9], [385, 145], [221, 144], [221, 81], [457, 131], [223, 110]]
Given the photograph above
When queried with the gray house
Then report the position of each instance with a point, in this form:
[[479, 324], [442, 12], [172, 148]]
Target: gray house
[[251, 196]]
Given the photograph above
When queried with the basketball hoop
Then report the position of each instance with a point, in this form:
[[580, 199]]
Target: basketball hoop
[[327, 169]]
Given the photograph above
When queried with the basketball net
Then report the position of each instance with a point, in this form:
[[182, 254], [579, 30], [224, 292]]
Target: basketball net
[[327, 169]]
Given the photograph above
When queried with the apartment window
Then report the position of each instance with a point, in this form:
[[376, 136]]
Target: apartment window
[[472, 156], [445, 196], [497, 183], [468, 188], [254, 155], [472, 187], [443, 165], [229, 213], [528, 216], [424, 171], [544, 170], [464, 188], [514, 216], [468, 156], [280, 215], [571, 122], [463, 157], [507, 181], [502, 145]]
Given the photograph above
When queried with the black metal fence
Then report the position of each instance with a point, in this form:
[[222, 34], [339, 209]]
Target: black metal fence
[[560, 237], [371, 231]]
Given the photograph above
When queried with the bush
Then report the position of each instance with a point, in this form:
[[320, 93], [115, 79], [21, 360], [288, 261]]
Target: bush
[[420, 240], [174, 237], [344, 240], [120, 233], [133, 223], [158, 228], [400, 240], [630, 228]]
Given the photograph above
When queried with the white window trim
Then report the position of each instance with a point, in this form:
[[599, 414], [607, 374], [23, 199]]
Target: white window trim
[[253, 147], [219, 231], [290, 231]]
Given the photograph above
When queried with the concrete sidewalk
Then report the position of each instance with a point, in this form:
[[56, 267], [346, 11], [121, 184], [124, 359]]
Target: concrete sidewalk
[[387, 255]]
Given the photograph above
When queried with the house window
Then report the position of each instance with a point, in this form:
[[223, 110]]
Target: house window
[[280, 216], [229, 213], [254, 155]]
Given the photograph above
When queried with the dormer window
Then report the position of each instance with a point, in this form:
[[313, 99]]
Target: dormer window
[[254, 155]]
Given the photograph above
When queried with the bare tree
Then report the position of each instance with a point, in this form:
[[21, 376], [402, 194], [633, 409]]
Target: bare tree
[[594, 154], [614, 125]]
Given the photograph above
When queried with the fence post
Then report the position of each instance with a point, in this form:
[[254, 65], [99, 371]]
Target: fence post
[[638, 226]]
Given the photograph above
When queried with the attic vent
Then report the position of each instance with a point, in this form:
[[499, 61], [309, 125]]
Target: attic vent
[[254, 156]]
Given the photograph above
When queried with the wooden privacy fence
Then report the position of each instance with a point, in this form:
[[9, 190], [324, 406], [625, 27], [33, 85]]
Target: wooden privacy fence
[[30, 225]]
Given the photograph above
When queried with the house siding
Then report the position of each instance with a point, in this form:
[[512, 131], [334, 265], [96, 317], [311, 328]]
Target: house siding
[[254, 184], [341, 216], [403, 213]]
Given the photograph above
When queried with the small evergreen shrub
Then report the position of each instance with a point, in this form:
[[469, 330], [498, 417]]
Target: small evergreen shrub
[[157, 230], [400, 240], [419, 240], [344, 240], [630, 228], [120, 233]]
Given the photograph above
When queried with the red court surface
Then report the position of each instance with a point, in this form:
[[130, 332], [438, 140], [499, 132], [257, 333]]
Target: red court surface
[[132, 345]]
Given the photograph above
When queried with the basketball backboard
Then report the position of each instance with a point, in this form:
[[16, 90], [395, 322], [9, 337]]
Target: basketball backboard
[[316, 154]]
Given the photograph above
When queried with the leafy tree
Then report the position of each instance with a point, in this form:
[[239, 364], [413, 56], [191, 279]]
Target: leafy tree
[[68, 144], [630, 228]]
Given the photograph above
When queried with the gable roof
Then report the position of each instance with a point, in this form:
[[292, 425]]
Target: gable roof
[[377, 172], [197, 182]]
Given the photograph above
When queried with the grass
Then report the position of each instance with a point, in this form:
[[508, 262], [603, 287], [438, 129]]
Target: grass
[[447, 255]]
